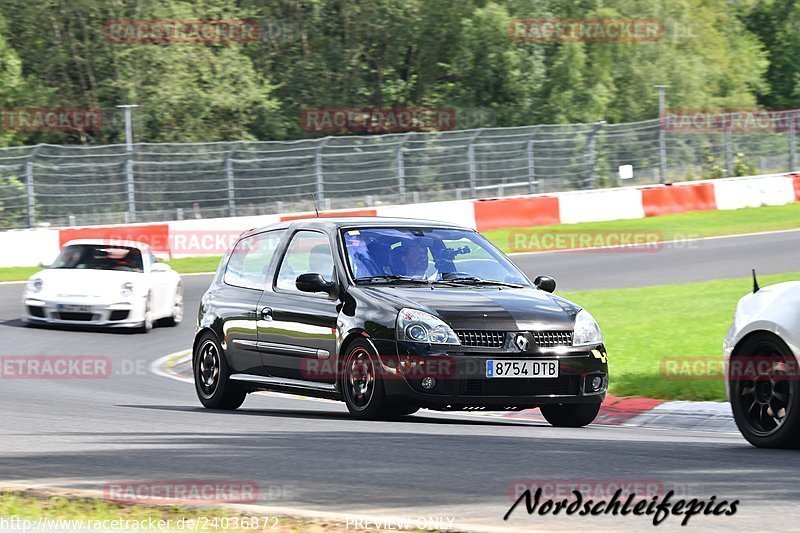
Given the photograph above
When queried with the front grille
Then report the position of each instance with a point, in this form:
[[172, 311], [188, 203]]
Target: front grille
[[562, 385], [481, 339], [550, 339], [77, 317], [36, 311]]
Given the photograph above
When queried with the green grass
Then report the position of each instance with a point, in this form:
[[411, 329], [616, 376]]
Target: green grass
[[672, 227], [642, 326]]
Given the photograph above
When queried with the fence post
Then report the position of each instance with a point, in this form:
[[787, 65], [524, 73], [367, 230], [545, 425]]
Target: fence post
[[592, 149], [473, 178], [318, 170], [531, 166], [131, 188], [229, 177], [29, 186], [728, 151], [401, 175], [791, 137]]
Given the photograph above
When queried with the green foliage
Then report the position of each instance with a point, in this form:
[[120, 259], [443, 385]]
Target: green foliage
[[13, 205], [387, 53]]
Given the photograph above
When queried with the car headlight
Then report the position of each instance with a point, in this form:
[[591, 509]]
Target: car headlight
[[586, 330], [35, 285], [419, 326], [126, 289]]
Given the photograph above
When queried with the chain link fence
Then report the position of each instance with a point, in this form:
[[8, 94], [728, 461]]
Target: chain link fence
[[81, 185]]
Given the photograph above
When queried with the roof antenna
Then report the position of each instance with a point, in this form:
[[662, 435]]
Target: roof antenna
[[314, 196], [755, 282]]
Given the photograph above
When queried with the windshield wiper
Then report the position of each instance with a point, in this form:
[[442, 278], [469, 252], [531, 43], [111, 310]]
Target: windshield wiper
[[391, 278], [474, 280]]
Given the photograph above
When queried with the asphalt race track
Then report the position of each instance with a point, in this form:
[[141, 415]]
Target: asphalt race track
[[85, 433]]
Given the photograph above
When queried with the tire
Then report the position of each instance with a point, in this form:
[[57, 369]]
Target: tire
[[571, 415], [211, 377], [759, 392], [147, 323], [361, 386], [177, 309]]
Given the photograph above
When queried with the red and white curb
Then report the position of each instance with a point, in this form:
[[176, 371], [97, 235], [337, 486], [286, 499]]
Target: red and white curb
[[615, 411]]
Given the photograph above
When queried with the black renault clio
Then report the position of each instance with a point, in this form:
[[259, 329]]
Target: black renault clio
[[393, 315]]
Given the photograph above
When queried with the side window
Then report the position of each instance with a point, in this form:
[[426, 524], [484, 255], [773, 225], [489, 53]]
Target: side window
[[309, 251], [250, 260]]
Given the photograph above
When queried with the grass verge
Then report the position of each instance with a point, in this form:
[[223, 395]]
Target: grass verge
[[60, 513], [643, 326], [666, 228]]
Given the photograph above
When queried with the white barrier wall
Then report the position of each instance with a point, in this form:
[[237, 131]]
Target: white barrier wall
[[28, 247], [600, 205], [461, 212], [735, 193]]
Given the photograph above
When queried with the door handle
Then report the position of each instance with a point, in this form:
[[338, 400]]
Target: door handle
[[266, 313]]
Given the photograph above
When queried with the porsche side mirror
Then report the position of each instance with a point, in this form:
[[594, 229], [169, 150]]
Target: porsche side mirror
[[314, 282], [160, 267], [545, 283]]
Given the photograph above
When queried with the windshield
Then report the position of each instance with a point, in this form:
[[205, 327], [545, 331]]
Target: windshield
[[432, 254], [98, 257]]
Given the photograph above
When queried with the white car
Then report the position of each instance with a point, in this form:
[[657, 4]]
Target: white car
[[762, 355], [95, 283]]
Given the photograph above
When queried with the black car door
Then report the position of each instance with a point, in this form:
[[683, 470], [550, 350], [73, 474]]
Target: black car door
[[237, 298], [297, 330]]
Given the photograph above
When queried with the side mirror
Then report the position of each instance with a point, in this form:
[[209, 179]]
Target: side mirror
[[160, 267], [545, 283], [313, 282], [42, 265]]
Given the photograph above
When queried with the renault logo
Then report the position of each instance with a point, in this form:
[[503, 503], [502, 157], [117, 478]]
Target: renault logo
[[522, 342]]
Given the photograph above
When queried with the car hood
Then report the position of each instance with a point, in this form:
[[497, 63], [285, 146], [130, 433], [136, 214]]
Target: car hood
[[487, 308], [68, 282]]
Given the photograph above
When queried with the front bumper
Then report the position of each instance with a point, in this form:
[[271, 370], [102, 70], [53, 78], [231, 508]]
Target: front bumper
[[461, 381], [97, 314]]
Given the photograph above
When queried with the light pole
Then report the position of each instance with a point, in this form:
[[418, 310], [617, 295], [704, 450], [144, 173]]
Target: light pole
[[662, 141], [129, 163]]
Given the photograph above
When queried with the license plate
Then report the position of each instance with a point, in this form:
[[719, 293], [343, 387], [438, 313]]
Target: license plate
[[522, 368], [70, 308]]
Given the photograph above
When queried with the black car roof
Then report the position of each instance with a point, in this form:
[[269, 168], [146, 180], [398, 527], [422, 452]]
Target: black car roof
[[355, 222]]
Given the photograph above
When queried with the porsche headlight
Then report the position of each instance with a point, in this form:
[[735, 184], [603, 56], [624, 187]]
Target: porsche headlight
[[35, 285], [126, 289], [587, 331], [419, 326]]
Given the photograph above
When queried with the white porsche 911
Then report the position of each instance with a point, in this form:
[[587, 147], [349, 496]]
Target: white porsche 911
[[96, 283], [762, 353]]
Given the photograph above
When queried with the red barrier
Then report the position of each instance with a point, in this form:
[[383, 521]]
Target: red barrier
[[350, 213], [516, 212], [796, 178], [154, 235], [672, 199]]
